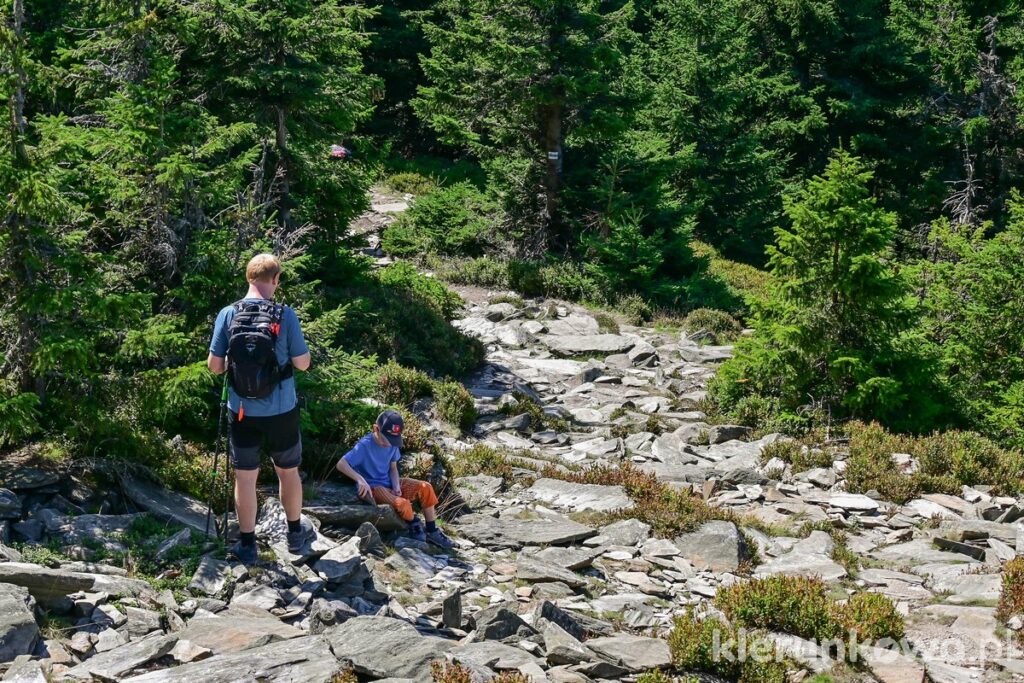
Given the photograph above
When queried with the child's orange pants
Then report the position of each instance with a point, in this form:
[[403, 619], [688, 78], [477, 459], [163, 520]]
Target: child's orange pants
[[413, 491]]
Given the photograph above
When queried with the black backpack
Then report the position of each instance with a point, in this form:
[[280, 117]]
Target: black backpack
[[252, 360]]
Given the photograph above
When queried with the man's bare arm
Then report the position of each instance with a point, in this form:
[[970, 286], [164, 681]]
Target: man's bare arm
[[301, 362], [216, 364]]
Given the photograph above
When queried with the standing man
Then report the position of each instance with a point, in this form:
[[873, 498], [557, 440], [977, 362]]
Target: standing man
[[259, 343]]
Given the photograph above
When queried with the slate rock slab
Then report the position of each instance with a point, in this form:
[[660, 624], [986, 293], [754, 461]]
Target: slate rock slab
[[383, 647], [18, 628], [25, 670], [576, 497], [351, 516], [340, 563], [234, 631], [168, 505], [28, 478], [210, 577], [579, 344], [114, 664], [532, 569], [301, 660], [10, 505], [635, 653], [512, 532], [50, 587], [716, 545]]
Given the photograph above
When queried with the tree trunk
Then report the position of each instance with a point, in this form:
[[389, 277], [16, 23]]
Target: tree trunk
[[553, 177], [284, 213]]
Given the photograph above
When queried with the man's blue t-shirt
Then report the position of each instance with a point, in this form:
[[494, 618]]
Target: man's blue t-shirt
[[290, 343], [373, 462]]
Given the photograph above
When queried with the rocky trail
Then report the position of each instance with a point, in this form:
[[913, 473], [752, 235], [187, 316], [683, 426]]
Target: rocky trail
[[549, 578]]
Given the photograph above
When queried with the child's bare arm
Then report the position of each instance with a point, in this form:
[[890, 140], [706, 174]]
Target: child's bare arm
[[361, 485], [396, 485]]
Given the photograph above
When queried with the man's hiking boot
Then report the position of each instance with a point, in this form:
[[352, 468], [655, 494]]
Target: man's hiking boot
[[298, 539], [416, 530], [246, 554], [438, 538]]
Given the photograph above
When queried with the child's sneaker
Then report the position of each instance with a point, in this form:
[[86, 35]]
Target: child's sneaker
[[438, 538], [416, 530], [246, 554]]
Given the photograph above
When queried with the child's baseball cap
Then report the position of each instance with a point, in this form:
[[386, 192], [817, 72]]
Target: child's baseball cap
[[391, 426]]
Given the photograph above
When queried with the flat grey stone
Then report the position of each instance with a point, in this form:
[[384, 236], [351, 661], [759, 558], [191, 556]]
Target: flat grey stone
[[382, 647], [50, 587], [532, 569], [575, 345], [210, 577], [635, 653], [340, 563], [168, 505], [116, 663], [562, 648], [231, 631], [492, 655], [25, 670], [18, 628], [573, 558], [301, 660], [716, 545], [500, 621], [261, 597], [625, 532], [511, 532], [10, 505], [576, 497], [28, 478]]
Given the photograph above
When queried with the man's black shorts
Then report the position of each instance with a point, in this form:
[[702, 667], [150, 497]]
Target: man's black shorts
[[280, 433]]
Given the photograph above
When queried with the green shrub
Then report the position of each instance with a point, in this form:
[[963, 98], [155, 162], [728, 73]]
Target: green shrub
[[606, 324], [400, 386], [432, 292], [635, 308], [873, 617], [791, 604], [484, 271], [720, 325], [798, 455], [946, 461], [457, 220], [1011, 594], [455, 404], [668, 511], [513, 299], [453, 672], [480, 459], [692, 644], [410, 183]]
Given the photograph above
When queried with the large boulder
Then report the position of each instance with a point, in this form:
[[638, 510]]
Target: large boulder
[[18, 628], [382, 647], [716, 545]]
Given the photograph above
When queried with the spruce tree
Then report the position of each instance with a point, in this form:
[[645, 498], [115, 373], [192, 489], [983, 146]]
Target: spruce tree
[[834, 334], [521, 86]]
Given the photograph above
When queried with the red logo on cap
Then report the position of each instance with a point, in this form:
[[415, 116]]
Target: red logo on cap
[[396, 429]]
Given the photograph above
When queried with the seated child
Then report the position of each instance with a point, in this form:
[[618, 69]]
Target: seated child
[[373, 465]]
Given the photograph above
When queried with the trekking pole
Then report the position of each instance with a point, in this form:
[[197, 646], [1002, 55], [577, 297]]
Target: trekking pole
[[216, 455], [227, 482]]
